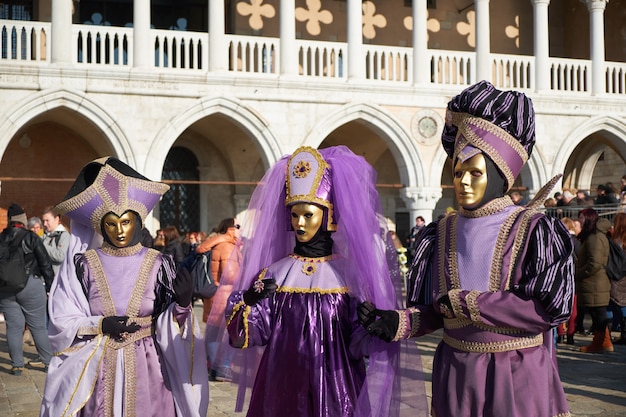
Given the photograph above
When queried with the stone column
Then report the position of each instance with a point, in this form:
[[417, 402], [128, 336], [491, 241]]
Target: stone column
[[143, 48], [421, 201], [288, 52], [218, 53], [356, 60], [421, 63], [541, 45], [61, 32], [596, 28], [483, 44]]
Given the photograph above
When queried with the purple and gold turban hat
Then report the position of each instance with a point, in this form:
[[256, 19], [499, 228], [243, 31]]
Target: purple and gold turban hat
[[108, 185], [308, 180], [500, 124]]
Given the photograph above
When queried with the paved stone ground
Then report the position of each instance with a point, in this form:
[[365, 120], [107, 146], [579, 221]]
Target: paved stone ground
[[595, 384]]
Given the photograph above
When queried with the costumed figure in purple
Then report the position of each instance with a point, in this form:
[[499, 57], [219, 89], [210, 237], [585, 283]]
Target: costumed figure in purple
[[497, 277], [298, 305], [121, 325]]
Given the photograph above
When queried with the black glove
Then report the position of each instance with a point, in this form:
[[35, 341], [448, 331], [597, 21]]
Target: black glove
[[445, 307], [115, 326], [183, 287], [259, 290], [386, 326], [366, 312]]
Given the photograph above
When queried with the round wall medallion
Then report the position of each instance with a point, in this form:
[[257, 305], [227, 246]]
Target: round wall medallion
[[424, 127]]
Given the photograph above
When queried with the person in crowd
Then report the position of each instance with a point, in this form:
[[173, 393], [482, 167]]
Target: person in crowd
[[57, 239], [225, 261], [566, 331], [593, 286], [120, 315], [299, 302], [496, 276], [583, 199], [28, 305], [518, 198], [159, 240], [419, 225], [35, 225], [617, 303], [550, 206], [146, 238], [173, 244], [605, 196]]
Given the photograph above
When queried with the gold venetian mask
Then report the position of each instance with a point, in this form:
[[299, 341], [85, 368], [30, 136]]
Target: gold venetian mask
[[470, 181], [119, 230], [306, 220]]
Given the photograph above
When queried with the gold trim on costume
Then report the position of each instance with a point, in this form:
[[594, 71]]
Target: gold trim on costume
[[456, 302], [111, 250], [340, 290], [494, 206], [415, 321], [494, 347], [461, 322], [319, 260], [244, 318], [402, 326], [472, 305], [99, 277], [518, 242], [496, 273]]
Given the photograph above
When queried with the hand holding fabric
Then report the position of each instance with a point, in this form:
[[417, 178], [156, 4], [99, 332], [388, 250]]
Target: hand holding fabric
[[183, 287], [115, 326], [259, 290]]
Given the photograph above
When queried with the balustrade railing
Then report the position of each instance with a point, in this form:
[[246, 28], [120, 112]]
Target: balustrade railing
[[512, 71], [253, 54], [102, 45], [570, 75], [23, 42], [386, 63], [452, 68], [321, 59]]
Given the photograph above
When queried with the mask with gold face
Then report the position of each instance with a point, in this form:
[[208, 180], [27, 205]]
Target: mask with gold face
[[470, 181], [306, 220], [119, 231]]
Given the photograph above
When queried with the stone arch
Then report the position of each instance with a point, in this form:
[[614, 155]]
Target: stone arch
[[614, 128], [249, 120], [392, 133], [44, 101]]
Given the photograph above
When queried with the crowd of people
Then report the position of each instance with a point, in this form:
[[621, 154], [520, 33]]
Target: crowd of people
[[309, 316]]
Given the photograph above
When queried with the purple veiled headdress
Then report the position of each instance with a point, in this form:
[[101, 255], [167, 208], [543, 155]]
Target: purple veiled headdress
[[500, 124], [107, 185], [308, 180]]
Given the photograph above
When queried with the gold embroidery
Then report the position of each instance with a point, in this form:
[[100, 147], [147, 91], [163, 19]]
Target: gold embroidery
[[245, 314], [520, 238], [115, 251], [88, 331], [472, 305], [461, 322], [110, 359], [134, 304], [302, 169], [402, 326], [311, 260], [340, 290], [442, 250], [493, 347], [456, 302], [309, 268], [91, 256], [130, 383], [495, 278], [494, 206]]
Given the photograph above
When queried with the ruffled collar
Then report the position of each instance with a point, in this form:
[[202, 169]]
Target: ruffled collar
[[492, 207]]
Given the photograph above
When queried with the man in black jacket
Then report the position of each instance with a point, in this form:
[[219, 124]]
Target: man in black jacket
[[29, 305]]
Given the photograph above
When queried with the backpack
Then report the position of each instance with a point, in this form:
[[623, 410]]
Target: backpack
[[199, 266], [616, 266], [13, 275]]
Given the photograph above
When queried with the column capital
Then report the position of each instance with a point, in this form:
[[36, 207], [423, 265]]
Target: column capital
[[540, 2], [595, 4], [421, 197]]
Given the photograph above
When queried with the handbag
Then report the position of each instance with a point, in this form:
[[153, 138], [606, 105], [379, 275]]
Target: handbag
[[616, 265]]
